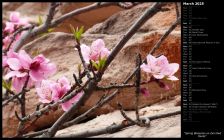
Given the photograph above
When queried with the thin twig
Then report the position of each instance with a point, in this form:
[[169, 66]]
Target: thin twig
[[124, 114], [139, 122], [127, 5], [172, 27], [117, 127], [51, 13], [76, 80], [116, 86], [177, 10], [137, 82], [11, 99]]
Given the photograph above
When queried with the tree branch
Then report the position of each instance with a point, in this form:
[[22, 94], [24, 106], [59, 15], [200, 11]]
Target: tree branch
[[117, 127], [177, 10], [51, 13], [137, 82]]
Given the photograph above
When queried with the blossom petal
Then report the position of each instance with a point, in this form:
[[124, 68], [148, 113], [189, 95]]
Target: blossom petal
[[14, 63], [18, 83], [36, 75], [172, 78], [48, 69], [63, 81], [162, 61], [25, 59], [11, 74], [158, 76], [150, 59], [9, 27], [85, 50], [145, 68], [66, 106], [14, 17], [77, 97], [174, 67], [97, 45]]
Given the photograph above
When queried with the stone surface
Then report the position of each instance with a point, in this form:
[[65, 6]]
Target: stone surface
[[41, 9], [58, 47], [160, 128]]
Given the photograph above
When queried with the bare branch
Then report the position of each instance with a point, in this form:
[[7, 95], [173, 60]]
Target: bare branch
[[137, 82], [117, 127], [114, 86], [177, 10], [124, 115], [172, 27], [127, 5], [51, 13]]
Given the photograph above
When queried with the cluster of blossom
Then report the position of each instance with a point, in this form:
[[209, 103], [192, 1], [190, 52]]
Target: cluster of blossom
[[95, 52], [20, 66], [15, 22], [159, 68], [50, 91]]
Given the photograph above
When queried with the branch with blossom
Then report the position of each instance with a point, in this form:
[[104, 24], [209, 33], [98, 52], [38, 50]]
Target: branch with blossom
[[95, 58]]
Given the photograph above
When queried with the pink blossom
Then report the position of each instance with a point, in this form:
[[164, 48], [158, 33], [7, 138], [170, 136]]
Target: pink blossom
[[39, 67], [10, 54], [6, 41], [14, 17], [160, 67], [67, 105], [22, 65], [9, 27], [17, 20], [95, 52], [59, 89], [45, 91]]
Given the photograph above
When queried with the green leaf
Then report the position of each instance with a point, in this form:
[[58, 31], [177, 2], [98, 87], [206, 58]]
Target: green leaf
[[50, 30], [40, 20], [95, 65], [6, 85], [35, 52], [102, 63], [77, 33]]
